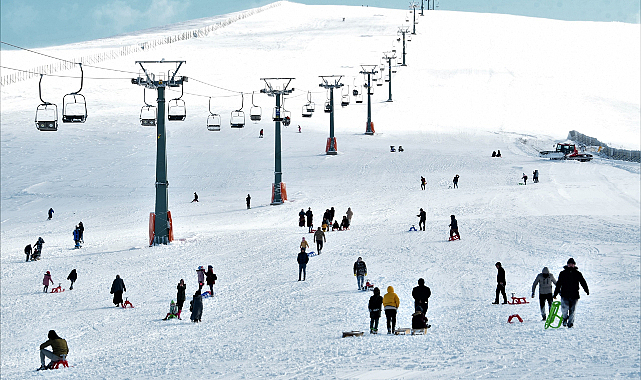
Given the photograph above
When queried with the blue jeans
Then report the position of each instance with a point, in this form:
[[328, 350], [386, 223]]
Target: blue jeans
[[302, 268], [360, 280], [567, 309]]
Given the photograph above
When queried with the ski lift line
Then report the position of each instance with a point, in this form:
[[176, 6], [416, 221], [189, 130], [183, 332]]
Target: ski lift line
[[58, 76]]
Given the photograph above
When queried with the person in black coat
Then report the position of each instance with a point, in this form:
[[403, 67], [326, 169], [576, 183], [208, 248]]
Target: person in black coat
[[421, 295], [301, 218], [81, 228], [180, 297], [375, 305], [455, 181], [344, 223], [211, 279], [28, 251], [302, 259], [117, 287], [196, 307], [248, 200], [500, 283], [310, 219], [568, 286], [422, 217], [73, 276], [332, 213], [454, 227], [360, 271]]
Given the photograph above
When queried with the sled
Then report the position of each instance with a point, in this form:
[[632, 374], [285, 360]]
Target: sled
[[59, 289], [455, 237], [403, 331], [56, 365], [518, 300], [422, 331], [127, 303], [368, 285], [554, 310], [352, 333], [207, 294], [412, 228], [311, 253], [509, 320]]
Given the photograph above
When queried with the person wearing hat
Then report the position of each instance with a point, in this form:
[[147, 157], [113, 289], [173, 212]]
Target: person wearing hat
[[500, 283], [46, 280], [59, 347], [173, 311], [302, 260], [180, 297], [211, 279], [568, 286], [304, 245], [201, 277], [422, 217], [544, 280]]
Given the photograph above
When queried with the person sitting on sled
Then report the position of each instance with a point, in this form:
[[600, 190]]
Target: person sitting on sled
[[419, 322], [59, 347], [336, 226], [173, 311]]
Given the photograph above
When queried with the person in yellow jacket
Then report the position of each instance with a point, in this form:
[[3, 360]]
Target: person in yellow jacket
[[304, 245], [59, 347], [390, 305]]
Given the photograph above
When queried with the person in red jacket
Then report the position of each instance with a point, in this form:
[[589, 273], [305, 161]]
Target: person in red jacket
[[46, 281]]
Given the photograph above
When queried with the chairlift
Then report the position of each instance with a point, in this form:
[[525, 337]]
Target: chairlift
[[287, 120], [359, 97], [148, 113], [310, 105], [176, 110], [306, 112], [213, 120], [255, 111], [46, 113], [74, 106], [237, 119]]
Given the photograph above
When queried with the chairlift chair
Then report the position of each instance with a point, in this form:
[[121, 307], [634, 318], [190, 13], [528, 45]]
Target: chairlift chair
[[237, 119], [359, 97], [148, 114], [328, 107], [176, 110], [310, 105], [213, 120], [46, 113], [255, 112], [74, 105], [306, 112], [287, 120], [345, 100]]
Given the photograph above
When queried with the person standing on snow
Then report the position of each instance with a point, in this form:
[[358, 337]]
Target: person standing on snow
[[37, 250], [211, 279], [46, 281], [248, 200], [422, 217], [195, 198], [50, 213], [73, 276], [453, 227], [500, 283], [349, 214], [422, 183], [319, 237], [332, 213], [360, 271], [374, 306], [544, 280], [535, 176], [196, 307], [81, 228], [568, 286], [76, 237], [304, 245], [421, 295], [261, 134], [524, 178], [28, 251], [180, 297], [455, 180], [117, 287], [201, 277], [59, 350], [310, 218], [301, 218], [302, 260], [391, 304]]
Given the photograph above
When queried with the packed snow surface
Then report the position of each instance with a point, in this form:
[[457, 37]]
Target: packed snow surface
[[474, 83]]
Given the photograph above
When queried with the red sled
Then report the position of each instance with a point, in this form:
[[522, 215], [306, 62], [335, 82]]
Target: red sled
[[127, 303], [455, 237], [509, 320], [518, 300], [59, 289]]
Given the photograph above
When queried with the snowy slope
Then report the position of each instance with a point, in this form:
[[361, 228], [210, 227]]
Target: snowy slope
[[474, 83]]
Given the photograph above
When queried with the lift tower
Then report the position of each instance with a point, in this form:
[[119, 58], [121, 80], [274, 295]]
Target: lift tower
[[278, 87], [388, 57], [161, 221], [413, 6], [330, 82], [403, 30], [369, 70]]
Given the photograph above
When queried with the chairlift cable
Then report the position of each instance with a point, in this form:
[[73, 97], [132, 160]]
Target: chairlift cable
[[58, 76]]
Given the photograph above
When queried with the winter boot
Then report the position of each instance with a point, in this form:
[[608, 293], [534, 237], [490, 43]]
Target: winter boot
[[544, 317], [179, 311]]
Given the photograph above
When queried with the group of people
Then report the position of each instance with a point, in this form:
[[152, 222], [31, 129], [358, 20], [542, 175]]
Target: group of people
[[535, 177], [78, 235], [47, 280], [567, 286], [496, 153], [33, 254], [390, 304], [328, 221]]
